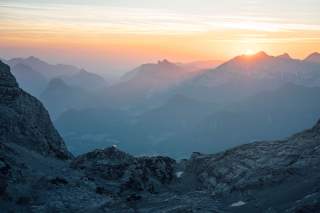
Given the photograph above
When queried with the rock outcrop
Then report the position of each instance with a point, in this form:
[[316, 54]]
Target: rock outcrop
[[7, 80], [263, 174], [24, 120], [258, 164], [130, 173]]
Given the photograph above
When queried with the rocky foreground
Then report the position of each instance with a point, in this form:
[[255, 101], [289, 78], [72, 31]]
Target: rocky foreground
[[38, 174]]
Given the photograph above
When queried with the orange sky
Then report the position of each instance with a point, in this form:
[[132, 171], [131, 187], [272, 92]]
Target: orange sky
[[103, 37]]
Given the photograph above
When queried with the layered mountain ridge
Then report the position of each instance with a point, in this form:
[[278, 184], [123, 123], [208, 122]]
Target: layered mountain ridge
[[35, 75], [259, 97]]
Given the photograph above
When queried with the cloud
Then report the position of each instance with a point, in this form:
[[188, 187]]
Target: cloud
[[106, 19]]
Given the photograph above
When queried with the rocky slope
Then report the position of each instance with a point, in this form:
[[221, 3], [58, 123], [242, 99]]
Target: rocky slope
[[129, 173], [37, 173], [279, 175], [24, 121]]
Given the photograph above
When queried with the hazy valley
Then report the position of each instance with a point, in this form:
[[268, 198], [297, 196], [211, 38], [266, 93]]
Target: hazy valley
[[173, 109]]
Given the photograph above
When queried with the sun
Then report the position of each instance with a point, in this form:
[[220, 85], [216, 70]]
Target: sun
[[249, 52]]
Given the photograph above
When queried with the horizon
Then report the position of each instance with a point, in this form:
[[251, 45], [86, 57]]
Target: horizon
[[249, 54], [113, 37]]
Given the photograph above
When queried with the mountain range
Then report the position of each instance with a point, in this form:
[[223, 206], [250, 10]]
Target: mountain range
[[147, 81], [173, 108], [258, 96], [32, 67], [247, 75]]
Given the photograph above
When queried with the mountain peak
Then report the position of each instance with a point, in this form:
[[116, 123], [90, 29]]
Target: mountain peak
[[252, 58], [284, 56], [57, 83], [6, 78], [313, 57], [34, 59], [164, 61], [314, 54], [261, 54]]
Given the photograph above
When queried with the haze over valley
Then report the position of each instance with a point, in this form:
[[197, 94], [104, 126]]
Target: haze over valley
[[175, 109]]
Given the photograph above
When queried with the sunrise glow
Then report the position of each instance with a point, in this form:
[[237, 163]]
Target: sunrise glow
[[121, 34], [249, 52]]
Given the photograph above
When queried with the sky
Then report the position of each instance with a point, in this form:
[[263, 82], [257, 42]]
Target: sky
[[113, 36]]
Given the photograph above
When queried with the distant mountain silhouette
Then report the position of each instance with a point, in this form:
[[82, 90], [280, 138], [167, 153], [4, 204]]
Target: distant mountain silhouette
[[59, 97], [314, 58], [167, 109], [285, 56], [248, 75], [161, 71], [85, 80], [170, 108], [146, 81], [48, 70], [41, 72], [30, 80]]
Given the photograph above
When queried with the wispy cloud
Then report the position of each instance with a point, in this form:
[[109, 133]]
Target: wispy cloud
[[106, 19]]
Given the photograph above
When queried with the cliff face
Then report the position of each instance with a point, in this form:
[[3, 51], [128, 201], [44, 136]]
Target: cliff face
[[7, 80], [274, 176], [24, 120]]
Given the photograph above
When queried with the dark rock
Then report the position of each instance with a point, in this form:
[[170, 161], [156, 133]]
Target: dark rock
[[24, 120], [110, 163], [6, 78], [4, 175], [24, 200], [308, 209], [58, 181], [133, 198], [102, 191], [137, 174]]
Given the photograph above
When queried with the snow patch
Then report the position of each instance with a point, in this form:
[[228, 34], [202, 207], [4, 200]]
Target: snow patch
[[179, 174], [239, 203]]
